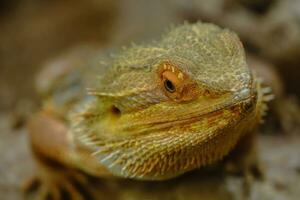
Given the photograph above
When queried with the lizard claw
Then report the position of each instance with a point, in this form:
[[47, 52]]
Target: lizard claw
[[58, 187]]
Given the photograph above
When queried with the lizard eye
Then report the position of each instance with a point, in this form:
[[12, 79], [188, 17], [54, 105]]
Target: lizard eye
[[170, 87], [172, 80], [176, 84]]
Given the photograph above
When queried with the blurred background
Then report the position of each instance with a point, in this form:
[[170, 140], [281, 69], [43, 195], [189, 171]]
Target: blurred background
[[34, 32]]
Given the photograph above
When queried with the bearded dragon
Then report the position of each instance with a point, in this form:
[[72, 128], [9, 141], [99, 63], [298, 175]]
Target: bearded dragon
[[150, 112]]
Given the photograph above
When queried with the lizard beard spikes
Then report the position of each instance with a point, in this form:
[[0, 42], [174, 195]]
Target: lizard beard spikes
[[166, 154]]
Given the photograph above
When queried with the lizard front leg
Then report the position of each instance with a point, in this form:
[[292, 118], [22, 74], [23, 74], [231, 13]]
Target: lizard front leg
[[55, 179]]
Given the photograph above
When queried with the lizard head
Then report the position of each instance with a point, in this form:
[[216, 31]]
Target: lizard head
[[170, 106]]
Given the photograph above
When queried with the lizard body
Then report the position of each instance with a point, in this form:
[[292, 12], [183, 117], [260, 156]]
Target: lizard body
[[157, 110]]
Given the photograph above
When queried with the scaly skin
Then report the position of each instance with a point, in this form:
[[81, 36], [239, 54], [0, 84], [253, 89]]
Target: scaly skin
[[152, 111]]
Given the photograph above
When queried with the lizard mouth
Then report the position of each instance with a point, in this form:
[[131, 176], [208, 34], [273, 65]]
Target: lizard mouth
[[187, 114], [242, 101], [245, 105]]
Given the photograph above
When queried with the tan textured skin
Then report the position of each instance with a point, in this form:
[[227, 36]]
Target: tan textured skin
[[157, 110]]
